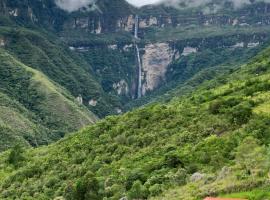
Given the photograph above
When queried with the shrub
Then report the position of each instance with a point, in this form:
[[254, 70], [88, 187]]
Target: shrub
[[155, 190], [138, 191], [241, 114], [16, 156]]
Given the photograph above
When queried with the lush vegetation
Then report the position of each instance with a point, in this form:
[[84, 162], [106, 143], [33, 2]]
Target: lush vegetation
[[188, 148], [35, 110]]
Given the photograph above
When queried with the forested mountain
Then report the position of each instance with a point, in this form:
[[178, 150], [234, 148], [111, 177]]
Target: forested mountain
[[211, 142], [72, 80], [98, 59]]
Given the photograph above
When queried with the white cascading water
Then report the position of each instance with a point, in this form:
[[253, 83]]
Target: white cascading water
[[139, 94]]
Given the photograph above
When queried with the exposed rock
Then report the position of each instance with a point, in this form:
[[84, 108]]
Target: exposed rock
[[155, 62], [98, 30], [235, 22], [189, 50], [113, 46], [118, 110], [79, 99], [72, 48], [92, 102], [238, 45], [197, 177], [143, 24], [2, 42], [121, 87], [82, 23], [130, 23], [14, 13], [253, 44], [81, 49], [151, 21], [127, 47]]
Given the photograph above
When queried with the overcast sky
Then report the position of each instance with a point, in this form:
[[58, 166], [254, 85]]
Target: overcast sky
[[142, 2]]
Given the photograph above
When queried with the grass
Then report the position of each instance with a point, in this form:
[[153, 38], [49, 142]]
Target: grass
[[40, 110], [255, 194]]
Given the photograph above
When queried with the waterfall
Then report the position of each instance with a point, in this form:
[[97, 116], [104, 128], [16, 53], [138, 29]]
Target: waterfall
[[139, 94], [136, 26], [138, 57]]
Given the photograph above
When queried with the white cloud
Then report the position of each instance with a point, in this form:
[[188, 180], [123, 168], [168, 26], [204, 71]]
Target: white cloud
[[73, 5], [192, 3], [142, 2]]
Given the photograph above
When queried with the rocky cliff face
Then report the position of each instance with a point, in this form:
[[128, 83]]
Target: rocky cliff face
[[155, 62]]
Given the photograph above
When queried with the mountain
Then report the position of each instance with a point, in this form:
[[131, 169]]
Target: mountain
[[71, 82], [35, 110], [209, 143], [174, 46]]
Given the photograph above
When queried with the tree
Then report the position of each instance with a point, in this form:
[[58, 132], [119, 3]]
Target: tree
[[138, 191], [241, 114], [252, 157], [87, 188], [15, 156]]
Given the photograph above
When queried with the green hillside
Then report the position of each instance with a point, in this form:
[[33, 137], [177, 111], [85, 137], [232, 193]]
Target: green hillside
[[35, 110], [210, 143]]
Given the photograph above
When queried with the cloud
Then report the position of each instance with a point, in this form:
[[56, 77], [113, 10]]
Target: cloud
[[73, 5], [140, 3], [218, 4], [215, 4]]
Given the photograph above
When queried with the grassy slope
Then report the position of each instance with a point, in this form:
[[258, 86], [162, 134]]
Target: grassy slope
[[153, 151], [43, 51], [33, 108]]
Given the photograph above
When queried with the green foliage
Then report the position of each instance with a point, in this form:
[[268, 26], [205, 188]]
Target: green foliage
[[35, 110], [216, 135], [87, 188], [252, 157], [137, 191], [15, 156]]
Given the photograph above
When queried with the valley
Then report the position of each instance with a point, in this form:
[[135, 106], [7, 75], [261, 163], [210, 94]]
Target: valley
[[116, 102]]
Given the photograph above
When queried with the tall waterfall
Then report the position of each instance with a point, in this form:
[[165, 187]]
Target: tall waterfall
[[139, 63], [136, 26], [139, 94]]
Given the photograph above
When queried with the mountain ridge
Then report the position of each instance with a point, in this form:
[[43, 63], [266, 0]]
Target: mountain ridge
[[199, 144]]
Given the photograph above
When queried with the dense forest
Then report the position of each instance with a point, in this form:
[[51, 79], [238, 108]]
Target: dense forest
[[211, 142], [72, 124]]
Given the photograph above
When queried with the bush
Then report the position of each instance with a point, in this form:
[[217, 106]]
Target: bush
[[241, 114], [172, 159], [155, 190], [86, 188], [138, 191], [16, 156]]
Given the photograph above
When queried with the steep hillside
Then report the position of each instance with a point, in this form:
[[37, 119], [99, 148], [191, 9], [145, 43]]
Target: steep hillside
[[35, 110], [212, 142], [93, 51]]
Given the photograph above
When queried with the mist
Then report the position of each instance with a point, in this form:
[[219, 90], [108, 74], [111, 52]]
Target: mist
[[194, 3], [73, 5], [217, 4]]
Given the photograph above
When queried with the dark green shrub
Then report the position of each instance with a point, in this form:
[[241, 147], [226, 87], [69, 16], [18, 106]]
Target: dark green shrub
[[138, 191], [241, 114], [16, 156]]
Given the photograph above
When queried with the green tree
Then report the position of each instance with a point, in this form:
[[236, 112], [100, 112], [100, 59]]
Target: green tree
[[16, 156], [138, 191], [87, 188], [252, 157]]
